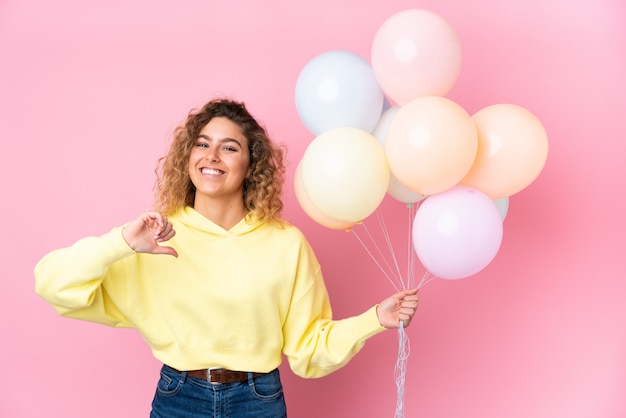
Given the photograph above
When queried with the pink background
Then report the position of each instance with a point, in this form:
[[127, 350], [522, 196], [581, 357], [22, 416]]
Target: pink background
[[89, 92]]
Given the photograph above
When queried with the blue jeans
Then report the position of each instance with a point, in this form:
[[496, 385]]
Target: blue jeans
[[181, 396]]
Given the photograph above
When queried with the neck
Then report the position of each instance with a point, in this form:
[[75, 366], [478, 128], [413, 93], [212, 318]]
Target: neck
[[224, 214]]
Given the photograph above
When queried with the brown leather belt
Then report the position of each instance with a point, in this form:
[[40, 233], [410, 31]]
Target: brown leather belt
[[219, 375]]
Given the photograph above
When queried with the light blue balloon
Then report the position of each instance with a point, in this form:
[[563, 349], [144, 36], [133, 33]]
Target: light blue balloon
[[503, 206], [338, 89]]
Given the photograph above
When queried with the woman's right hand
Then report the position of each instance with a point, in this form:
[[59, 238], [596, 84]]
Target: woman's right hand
[[145, 233]]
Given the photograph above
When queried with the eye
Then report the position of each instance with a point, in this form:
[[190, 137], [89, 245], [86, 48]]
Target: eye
[[230, 148], [202, 145]]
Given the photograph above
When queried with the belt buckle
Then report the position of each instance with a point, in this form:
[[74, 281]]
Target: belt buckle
[[208, 375]]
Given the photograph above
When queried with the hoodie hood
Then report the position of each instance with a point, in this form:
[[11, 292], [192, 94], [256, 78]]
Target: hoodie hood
[[192, 219]]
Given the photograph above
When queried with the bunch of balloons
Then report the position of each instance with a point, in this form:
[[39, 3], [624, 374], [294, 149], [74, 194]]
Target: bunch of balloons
[[386, 128]]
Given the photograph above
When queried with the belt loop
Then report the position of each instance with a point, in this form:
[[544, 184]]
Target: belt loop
[[183, 377]]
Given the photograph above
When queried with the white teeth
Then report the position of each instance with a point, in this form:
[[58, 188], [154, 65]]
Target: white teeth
[[211, 171]]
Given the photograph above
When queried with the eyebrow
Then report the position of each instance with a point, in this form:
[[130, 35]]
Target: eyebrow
[[223, 140]]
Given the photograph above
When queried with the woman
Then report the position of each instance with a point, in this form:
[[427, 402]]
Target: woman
[[217, 284]]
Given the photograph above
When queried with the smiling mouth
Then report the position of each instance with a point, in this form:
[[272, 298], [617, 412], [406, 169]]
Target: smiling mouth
[[212, 171]]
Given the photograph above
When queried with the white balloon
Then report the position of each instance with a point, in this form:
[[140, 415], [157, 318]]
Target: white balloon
[[338, 89], [396, 189]]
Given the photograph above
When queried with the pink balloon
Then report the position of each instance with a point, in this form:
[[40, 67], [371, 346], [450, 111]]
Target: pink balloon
[[457, 233], [416, 53]]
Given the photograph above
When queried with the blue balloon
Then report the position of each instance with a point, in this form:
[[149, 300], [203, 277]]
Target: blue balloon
[[338, 89]]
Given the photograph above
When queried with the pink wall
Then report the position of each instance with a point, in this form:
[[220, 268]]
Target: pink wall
[[90, 90]]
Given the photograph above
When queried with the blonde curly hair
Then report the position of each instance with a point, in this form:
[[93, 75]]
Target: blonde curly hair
[[263, 185]]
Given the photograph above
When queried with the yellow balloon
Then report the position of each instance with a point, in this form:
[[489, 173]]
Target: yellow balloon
[[345, 173], [512, 150], [309, 207], [431, 144]]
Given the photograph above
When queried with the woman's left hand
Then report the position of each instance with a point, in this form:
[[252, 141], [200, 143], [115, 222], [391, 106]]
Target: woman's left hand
[[396, 308]]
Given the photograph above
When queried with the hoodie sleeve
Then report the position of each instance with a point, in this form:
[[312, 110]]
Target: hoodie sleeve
[[315, 344], [75, 280]]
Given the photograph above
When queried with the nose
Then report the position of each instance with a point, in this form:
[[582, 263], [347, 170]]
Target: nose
[[212, 154]]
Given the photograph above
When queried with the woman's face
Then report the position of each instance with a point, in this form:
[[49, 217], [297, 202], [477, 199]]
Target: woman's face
[[219, 161]]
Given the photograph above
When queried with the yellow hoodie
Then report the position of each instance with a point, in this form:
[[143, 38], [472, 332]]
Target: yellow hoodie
[[235, 299]]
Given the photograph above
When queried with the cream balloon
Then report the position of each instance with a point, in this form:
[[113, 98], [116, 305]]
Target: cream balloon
[[512, 150], [431, 144], [309, 207], [345, 173]]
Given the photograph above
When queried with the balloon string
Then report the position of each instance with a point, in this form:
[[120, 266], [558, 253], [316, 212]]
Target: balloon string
[[426, 278], [374, 259], [394, 276], [409, 248], [404, 349], [385, 232], [391, 269]]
